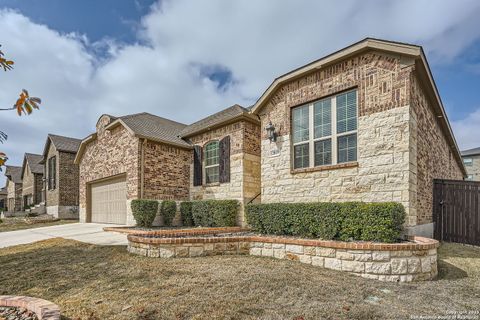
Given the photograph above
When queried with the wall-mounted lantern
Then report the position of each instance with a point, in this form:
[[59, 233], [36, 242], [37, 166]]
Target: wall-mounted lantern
[[272, 135]]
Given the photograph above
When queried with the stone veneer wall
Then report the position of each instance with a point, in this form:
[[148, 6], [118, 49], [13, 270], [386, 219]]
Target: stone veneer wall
[[474, 169], [434, 156], [244, 182], [112, 153], [404, 262], [385, 169]]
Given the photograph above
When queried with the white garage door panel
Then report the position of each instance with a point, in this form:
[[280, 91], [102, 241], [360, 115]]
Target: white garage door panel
[[109, 201]]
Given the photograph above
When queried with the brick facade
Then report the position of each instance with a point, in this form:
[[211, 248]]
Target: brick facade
[[14, 196], [32, 186], [62, 201], [119, 152], [244, 184], [166, 172], [434, 156], [393, 130]]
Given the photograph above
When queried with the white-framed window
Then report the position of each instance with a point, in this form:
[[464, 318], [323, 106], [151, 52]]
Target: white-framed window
[[324, 132], [469, 177], [468, 161], [212, 162]]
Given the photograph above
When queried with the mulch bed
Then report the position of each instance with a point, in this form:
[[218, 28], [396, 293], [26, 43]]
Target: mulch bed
[[15, 313]]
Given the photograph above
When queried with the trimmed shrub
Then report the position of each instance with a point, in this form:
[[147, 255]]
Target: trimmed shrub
[[168, 210], [215, 213], [344, 221], [186, 213], [144, 211]]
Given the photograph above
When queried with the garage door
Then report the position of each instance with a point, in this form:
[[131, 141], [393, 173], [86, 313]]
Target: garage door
[[108, 201]]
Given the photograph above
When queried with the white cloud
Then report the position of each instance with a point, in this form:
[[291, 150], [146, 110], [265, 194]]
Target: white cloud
[[466, 130], [255, 41]]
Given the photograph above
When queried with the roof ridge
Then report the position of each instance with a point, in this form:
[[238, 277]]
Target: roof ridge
[[57, 135], [153, 115]]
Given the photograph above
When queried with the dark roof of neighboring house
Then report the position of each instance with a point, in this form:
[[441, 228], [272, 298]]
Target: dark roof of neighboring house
[[149, 126], [34, 162], [3, 191], [471, 152], [14, 173], [217, 119], [65, 144]]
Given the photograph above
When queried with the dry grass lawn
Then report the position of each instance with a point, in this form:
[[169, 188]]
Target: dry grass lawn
[[95, 282], [13, 224]]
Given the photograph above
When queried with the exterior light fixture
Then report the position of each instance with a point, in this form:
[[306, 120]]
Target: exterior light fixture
[[272, 135]]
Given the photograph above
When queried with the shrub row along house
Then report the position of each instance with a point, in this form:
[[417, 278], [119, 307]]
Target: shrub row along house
[[365, 123], [48, 183]]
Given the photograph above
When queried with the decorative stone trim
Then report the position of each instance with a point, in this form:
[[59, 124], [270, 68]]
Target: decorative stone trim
[[398, 262], [45, 310], [326, 167], [176, 232]]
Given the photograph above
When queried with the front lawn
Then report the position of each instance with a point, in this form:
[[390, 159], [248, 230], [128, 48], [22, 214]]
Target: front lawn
[[95, 282], [13, 224]]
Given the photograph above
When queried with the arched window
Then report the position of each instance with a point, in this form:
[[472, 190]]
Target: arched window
[[212, 162]]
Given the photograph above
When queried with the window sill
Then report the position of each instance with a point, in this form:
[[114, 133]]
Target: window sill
[[325, 168], [212, 184]]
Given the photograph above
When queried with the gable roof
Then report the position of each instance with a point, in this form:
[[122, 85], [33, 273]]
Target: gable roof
[[14, 173], [3, 191], [61, 143], [152, 127], [215, 120], [471, 152], [145, 126], [404, 49], [34, 161]]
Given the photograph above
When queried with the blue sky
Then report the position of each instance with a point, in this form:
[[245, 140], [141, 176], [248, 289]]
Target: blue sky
[[187, 59]]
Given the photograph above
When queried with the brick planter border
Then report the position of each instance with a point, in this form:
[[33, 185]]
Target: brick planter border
[[397, 262], [45, 310]]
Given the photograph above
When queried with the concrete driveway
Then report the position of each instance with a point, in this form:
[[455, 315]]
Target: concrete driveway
[[85, 232]]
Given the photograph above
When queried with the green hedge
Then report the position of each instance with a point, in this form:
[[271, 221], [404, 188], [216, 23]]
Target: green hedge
[[168, 210], [144, 211], [215, 213], [186, 213], [346, 221]]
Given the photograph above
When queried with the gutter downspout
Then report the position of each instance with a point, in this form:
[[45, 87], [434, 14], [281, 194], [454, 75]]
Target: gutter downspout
[[142, 167]]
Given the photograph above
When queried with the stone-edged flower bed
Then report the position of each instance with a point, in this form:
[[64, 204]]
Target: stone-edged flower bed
[[413, 260], [28, 308]]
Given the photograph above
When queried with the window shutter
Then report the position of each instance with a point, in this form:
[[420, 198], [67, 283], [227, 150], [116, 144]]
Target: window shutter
[[197, 166], [50, 174], [224, 167]]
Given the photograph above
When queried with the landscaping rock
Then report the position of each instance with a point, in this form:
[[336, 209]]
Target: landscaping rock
[[14, 313]]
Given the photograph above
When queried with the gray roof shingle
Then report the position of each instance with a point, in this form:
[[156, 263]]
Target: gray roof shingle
[[14, 173], [156, 128], [214, 120], [470, 152], [3, 191], [34, 162], [65, 144]]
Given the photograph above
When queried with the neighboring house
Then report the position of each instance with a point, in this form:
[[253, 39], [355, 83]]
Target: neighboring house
[[14, 188], [471, 160], [3, 198], [226, 159], [32, 180], [61, 176], [131, 157], [365, 123]]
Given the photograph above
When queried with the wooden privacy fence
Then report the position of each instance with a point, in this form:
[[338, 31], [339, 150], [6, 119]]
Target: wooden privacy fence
[[456, 211]]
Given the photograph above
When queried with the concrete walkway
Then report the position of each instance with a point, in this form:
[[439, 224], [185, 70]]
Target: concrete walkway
[[85, 232]]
